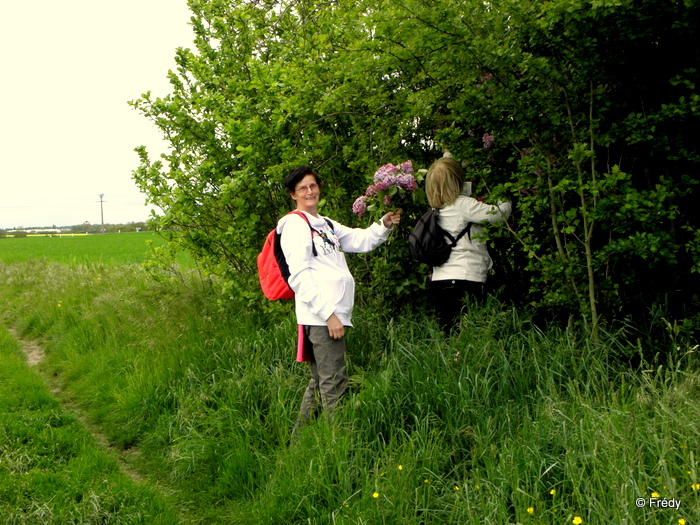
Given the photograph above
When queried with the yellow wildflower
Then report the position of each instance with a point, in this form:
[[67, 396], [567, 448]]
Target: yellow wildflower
[[695, 486], [681, 521], [578, 520], [400, 467], [553, 492], [530, 510], [456, 487], [375, 495], [655, 495]]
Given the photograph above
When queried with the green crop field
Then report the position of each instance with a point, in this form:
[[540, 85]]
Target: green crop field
[[121, 248]]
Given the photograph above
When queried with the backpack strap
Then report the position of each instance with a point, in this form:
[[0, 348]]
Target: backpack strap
[[467, 230], [303, 216]]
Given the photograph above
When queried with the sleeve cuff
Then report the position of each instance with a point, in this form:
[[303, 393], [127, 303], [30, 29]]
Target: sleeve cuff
[[326, 311]]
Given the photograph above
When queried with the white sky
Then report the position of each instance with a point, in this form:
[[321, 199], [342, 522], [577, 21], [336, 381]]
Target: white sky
[[67, 133]]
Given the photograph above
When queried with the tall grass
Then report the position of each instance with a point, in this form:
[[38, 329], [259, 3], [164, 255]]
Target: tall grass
[[502, 423], [51, 469]]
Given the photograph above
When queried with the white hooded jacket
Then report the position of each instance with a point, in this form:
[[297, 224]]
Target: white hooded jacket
[[323, 284], [469, 259]]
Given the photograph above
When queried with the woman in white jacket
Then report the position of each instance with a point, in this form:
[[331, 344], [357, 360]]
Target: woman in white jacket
[[466, 270], [324, 288]]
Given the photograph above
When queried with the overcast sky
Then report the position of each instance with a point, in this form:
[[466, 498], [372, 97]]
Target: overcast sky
[[67, 134]]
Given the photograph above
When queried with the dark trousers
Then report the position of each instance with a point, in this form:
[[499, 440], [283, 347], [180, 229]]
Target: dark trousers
[[329, 378], [448, 299]]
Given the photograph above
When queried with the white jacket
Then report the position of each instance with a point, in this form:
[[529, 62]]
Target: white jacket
[[469, 260], [323, 284]]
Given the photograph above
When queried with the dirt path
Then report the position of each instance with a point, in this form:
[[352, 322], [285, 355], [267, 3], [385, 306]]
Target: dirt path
[[32, 351], [126, 459]]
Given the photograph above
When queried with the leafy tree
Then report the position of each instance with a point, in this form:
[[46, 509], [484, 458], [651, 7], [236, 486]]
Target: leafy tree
[[581, 110]]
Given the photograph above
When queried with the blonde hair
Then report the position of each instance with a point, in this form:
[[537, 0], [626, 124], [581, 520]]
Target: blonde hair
[[444, 182]]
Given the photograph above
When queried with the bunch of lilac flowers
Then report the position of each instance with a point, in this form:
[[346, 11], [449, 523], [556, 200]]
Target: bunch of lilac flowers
[[389, 181]]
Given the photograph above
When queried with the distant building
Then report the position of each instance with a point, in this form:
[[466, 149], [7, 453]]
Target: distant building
[[38, 231]]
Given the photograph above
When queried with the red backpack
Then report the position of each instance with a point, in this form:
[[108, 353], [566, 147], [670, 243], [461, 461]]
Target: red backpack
[[273, 270]]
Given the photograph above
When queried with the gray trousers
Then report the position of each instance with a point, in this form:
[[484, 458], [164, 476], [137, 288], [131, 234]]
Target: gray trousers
[[329, 378]]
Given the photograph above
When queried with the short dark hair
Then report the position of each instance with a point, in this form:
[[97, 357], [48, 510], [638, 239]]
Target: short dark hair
[[295, 175]]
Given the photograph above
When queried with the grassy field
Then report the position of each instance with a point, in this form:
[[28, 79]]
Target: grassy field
[[504, 423], [121, 248]]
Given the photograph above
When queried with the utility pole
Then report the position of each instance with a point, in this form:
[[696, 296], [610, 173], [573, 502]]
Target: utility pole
[[102, 213]]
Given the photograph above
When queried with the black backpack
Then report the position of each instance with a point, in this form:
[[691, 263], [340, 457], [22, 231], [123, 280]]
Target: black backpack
[[427, 240]]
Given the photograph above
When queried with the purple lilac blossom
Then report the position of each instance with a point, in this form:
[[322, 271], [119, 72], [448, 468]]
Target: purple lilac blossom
[[488, 140], [382, 184], [387, 176], [408, 182], [384, 178], [387, 169], [360, 206]]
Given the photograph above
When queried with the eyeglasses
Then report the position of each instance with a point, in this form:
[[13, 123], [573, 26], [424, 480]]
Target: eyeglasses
[[304, 189]]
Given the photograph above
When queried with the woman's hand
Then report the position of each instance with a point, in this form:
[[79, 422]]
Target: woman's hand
[[336, 330], [391, 218]]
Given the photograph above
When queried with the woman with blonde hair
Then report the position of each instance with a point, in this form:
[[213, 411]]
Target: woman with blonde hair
[[466, 270]]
